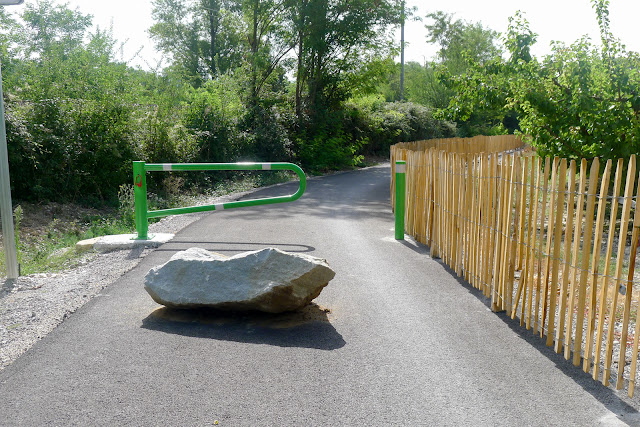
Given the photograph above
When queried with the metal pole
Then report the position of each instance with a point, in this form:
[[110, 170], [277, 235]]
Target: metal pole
[[6, 209], [401, 168], [157, 167], [402, 52], [140, 194]]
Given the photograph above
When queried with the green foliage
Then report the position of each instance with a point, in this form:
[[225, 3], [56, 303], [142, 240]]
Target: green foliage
[[162, 137], [8, 30], [126, 205], [326, 152], [519, 39], [268, 139], [383, 124], [70, 122], [479, 105], [336, 39], [84, 150], [269, 39], [581, 101], [18, 214], [464, 46], [461, 43], [51, 28], [202, 37], [76, 117], [369, 126], [422, 85], [211, 116]]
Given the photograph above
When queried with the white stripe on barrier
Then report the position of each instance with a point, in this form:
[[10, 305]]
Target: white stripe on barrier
[[266, 166], [166, 167], [219, 206], [401, 168]]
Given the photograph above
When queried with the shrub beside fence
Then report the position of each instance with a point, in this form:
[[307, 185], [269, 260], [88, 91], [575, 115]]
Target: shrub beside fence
[[545, 242]]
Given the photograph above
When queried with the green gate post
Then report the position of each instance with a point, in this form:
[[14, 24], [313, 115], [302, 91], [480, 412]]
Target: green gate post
[[401, 168], [140, 192]]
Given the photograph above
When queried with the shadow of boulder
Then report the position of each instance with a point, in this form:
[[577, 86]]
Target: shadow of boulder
[[308, 327]]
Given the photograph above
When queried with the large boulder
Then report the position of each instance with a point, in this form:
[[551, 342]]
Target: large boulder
[[268, 280]]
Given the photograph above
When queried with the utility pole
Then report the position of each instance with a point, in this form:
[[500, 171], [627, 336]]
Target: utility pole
[[6, 209], [402, 51]]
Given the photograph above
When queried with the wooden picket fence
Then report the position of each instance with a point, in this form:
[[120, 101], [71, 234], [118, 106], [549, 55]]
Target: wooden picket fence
[[530, 234], [475, 145]]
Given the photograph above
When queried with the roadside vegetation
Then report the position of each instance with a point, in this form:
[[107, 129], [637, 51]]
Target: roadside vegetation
[[312, 82], [46, 233]]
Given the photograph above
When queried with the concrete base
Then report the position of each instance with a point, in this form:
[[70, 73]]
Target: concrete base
[[123, 241], [86, 245]]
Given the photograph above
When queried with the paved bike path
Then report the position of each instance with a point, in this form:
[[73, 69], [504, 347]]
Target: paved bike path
[[396, 339]]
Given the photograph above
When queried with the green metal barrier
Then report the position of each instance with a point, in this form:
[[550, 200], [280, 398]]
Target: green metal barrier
[[142, 214], [401, 168]]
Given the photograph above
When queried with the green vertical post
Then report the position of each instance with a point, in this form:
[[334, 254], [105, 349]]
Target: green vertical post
[[401, 168], [140, 192]]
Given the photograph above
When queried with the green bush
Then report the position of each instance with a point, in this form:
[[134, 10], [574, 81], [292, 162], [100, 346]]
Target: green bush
[[265, 137], [328, 152], [25, 153], [84, 150], [383, 124], [162, 138], [211, 116]]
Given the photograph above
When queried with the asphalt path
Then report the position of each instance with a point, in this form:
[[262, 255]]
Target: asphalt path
[[395, 339]]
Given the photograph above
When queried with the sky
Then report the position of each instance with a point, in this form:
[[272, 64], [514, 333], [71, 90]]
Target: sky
[[559, 20]]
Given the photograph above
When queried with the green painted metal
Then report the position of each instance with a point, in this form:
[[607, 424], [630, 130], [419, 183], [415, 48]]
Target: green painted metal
[[401, 167], [140, 195], [143, 216]]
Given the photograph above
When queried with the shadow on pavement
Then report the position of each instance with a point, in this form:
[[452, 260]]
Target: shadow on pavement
[[414, 246], [339, 196], [618, 403], [234, 246], [307, 328]]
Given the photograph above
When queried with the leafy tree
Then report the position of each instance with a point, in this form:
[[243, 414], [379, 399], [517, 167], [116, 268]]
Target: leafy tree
[[421, 85], [202, 37], [336, 39], [8, 29], [581, 101], [70, 108], [269, 40], [50, 27], [463, 46], [461, 43], [342, 48]]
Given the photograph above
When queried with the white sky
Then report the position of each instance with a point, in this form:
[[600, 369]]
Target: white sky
[[562, 20]]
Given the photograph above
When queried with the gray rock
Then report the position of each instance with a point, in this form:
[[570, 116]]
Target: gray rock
[[268, 280]]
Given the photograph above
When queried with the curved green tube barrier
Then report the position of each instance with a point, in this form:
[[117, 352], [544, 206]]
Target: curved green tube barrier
[[142, 214]]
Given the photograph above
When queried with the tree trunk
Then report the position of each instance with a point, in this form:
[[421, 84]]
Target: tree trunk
[[254, 55], [213, 12], [299, 78]]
